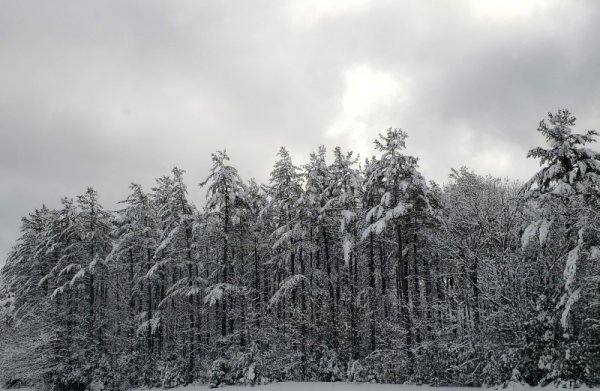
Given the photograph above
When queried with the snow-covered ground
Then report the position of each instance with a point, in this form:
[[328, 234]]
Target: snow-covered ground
[[299, 386]]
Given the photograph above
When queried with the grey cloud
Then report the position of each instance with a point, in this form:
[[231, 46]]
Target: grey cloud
[[491, 80], [107, 93]]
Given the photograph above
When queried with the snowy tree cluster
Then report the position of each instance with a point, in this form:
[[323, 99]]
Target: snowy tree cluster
[[340, 270]]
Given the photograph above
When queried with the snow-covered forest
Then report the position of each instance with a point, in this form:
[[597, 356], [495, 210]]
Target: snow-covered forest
[[342, 269]]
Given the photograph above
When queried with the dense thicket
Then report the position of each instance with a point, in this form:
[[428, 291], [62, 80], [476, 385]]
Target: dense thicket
[[336, 270]]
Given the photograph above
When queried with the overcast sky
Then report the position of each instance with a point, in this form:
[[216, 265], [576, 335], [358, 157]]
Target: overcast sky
[[103, 93]]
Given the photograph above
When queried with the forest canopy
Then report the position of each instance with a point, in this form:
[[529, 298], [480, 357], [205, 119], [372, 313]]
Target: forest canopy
[[341, 269]]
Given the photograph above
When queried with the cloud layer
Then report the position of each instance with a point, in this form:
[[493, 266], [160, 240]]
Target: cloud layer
[[105, 93]]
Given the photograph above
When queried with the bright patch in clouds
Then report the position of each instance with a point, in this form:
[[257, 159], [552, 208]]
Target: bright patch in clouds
[[492, 160], [307, 12], [370, 100]]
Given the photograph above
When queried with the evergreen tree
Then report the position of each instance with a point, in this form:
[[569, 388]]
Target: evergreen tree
[[569, 186]]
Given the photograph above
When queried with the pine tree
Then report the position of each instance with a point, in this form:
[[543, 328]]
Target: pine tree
[[569, 184], [226, 197]]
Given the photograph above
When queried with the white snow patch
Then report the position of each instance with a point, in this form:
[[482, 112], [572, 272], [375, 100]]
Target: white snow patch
[[380, 226], [286, 287], [398, 211], [347, 250], [595, 253], [529, 233], [348, 215], [565, 315], [78, 276], [166, 241], [215, 292], [571, 268], [563, 189], [544, 229], [385, 199]]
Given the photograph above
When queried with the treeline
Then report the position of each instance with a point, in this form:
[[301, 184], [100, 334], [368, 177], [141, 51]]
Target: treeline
[[340, 270]]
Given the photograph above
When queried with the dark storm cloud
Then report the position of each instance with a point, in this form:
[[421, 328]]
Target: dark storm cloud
[[105, 93]]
